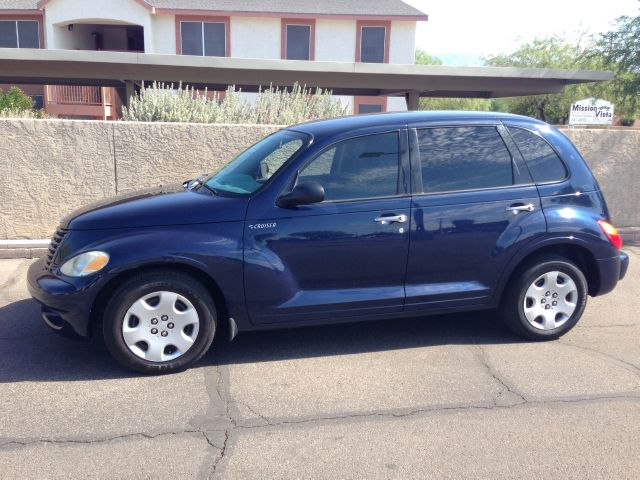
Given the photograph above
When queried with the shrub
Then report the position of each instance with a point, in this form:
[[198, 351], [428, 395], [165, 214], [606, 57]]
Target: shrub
[[16, 104], [164, 103], [13, 113]]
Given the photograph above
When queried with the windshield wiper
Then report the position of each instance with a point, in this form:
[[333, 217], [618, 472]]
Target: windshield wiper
[[198, 183], [211, 189]]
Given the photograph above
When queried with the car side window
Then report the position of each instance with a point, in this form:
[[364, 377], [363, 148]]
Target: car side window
[[543, 162], [463, 158], [358, 168]]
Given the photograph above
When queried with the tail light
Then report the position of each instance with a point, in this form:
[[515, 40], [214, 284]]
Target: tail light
[[612, 233]]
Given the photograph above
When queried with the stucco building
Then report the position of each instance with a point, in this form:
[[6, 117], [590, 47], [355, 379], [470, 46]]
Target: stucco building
[[382, 31]]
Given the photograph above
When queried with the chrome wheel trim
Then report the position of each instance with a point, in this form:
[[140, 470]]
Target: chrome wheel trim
[[550, 300], [160, 326]]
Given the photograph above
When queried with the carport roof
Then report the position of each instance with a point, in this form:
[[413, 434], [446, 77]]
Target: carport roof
[[75, 67]]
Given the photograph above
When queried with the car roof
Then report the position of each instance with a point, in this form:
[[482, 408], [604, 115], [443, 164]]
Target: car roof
[[321, 128]]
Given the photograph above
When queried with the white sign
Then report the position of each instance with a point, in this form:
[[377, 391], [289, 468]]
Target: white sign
[[591, 111]]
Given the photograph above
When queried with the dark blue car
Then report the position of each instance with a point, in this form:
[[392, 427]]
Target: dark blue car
[[356, 218]]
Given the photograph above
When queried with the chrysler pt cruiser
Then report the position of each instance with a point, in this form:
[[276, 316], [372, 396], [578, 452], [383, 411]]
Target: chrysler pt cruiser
[[355, 218]]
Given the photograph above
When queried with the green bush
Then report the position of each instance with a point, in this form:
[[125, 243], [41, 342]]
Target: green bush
[[16, 104], [11, 113], [164, 103]]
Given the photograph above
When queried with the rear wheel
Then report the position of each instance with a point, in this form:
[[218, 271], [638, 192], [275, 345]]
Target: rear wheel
[[159, 322], [547, 298]]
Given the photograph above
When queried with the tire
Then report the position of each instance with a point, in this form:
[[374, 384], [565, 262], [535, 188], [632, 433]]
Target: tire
[[547, 297], [174, 326]]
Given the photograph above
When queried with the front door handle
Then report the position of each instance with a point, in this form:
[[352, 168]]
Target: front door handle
[[521, 208], [386, 219]]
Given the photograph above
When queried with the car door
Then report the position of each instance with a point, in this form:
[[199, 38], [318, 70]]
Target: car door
[[474, 206], [340, 258]]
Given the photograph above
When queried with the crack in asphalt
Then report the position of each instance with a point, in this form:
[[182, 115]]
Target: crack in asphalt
[[224, 398], [217, 395], [220, 456], [380, 414], [612, 359], [83, 441], [253, 410], [440, 408], [211, 442], [481, 354]]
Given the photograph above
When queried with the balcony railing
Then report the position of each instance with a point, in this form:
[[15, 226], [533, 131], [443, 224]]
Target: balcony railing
[[73, 100], [77, 95]]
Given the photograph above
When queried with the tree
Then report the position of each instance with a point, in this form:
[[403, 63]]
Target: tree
[[473, 104], [551, 52], [585, 54], [620, 51], [15, 100], [423, 58]]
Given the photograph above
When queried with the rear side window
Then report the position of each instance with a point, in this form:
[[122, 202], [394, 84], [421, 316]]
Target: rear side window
[[463, 158], [358, 168], [543, 162]]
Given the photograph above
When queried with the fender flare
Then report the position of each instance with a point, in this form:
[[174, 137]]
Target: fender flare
[[515, 262]]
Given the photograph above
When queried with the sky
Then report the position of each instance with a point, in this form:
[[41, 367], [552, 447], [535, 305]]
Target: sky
[[461, 32]]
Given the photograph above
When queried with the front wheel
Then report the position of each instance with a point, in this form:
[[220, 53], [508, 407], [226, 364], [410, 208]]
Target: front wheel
[[159, 322], [546, 300]]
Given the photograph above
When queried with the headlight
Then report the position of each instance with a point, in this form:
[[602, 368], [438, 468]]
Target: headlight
[[85, 264]]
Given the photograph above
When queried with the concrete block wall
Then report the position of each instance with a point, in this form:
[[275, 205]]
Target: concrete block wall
[[614, 158], [51, 167]]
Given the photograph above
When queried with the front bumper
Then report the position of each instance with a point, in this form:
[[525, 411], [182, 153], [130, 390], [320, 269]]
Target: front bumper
[[611, 271], [64, 305]]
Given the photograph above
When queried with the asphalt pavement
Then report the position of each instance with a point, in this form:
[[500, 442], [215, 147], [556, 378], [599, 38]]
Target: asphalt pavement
[[439, 397]]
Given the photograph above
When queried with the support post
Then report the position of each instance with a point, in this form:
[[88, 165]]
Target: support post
[[103, 94], [413, 100], [131, 91]]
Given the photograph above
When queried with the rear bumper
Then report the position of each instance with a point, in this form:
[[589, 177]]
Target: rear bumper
[[611, 271], [624, 264], [65, 306]]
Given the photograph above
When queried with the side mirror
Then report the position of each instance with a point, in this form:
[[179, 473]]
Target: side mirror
[[304, 193]]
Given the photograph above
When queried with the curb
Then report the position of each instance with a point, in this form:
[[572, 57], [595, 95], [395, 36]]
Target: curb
[[630, 236], [23, 248]]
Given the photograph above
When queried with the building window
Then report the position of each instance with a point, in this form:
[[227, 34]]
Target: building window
[[373, 42], [369, 108], [298, 39], [207, 39], [38, 101], [19, 34], [298, 42], [369, 105]]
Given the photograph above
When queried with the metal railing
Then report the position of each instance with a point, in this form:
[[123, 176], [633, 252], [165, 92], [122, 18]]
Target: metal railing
[[78, 95]]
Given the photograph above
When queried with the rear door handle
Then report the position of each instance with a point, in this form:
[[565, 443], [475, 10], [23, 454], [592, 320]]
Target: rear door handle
[[517, 208], [386, 219]]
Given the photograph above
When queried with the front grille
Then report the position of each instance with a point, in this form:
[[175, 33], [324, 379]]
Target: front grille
[[56, 240]]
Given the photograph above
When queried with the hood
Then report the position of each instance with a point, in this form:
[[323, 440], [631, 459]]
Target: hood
[[161, 206]]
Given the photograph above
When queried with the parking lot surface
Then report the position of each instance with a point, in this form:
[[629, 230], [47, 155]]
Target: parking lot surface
[[441, 397]]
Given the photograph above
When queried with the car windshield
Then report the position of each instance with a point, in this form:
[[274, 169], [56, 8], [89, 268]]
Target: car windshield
[[253, 167]]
